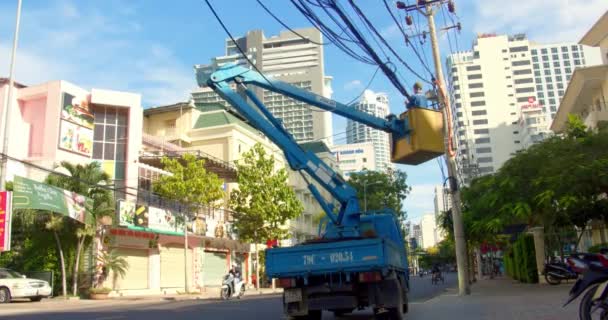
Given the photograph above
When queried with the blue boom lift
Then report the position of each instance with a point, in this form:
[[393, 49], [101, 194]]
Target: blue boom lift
[[360, 260]]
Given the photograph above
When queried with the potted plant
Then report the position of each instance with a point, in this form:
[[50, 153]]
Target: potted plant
[[109, 261]]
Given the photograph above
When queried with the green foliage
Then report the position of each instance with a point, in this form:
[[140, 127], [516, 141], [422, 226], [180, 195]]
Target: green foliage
[[384, 190], [520, 260], [190, 183], [113, 263], [443, 253], [263, 202], [596, 248]]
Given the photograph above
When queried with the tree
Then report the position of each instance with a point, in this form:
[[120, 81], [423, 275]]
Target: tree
[[55, 224], [382, 190], [263, 202], [190, 183], [88, 180], [115, 263]]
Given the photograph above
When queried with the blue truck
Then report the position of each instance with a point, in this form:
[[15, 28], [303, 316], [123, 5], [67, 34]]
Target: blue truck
[[359, 259]]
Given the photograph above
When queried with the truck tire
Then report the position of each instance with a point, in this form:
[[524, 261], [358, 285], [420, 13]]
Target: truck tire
[[405, 303]]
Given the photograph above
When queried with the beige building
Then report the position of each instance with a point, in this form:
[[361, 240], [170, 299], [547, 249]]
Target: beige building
[[354, 157], [587, 96]]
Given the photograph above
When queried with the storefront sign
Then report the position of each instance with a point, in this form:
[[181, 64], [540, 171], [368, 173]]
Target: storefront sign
[[5, 221], [30, 194], [76, 126], [131, 214], [162, 219]]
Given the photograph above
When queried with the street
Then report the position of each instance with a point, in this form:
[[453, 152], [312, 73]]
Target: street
[[250, 307]]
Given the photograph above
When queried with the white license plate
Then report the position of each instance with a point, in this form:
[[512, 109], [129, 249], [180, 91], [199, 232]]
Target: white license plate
[[600, 290], [293, 295]]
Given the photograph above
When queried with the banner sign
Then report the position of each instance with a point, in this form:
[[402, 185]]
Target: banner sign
[[5, 221], [77, 124], [30, 194], [132, 214]]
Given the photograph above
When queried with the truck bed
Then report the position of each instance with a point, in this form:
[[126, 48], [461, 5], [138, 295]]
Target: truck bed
[[339, 255]]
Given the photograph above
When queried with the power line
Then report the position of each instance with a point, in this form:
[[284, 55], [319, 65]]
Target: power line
[[286, 26], [369, 83]]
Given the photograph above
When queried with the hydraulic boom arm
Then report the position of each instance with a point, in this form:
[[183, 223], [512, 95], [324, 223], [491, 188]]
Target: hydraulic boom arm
[[219, 79]]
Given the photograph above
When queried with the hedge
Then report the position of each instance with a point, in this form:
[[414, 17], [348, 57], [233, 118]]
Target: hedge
[[520, 260]]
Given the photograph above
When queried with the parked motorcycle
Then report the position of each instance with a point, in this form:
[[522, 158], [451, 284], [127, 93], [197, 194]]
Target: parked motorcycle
[[556, 271], [232, 287], [594, 304]]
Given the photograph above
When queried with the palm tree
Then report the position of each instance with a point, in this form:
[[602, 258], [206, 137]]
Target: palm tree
[[115, 263], [86, 180], [55, 224]]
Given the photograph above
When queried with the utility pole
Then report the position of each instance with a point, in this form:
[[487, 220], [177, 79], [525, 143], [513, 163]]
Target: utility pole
[[6, 112], [425, 7]]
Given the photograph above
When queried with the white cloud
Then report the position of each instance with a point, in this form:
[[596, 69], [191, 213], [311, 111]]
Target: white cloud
[[420, 201], [352, 85], [542, 20], [103, 52]]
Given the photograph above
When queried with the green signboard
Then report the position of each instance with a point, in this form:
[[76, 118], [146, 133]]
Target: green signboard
[[30, 194]]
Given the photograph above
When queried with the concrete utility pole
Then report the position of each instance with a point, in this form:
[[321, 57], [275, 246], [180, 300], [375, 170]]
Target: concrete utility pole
[[6, 112], [425, 7]]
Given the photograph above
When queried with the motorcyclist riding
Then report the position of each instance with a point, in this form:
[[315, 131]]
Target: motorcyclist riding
[[436, 272], [235, 271]]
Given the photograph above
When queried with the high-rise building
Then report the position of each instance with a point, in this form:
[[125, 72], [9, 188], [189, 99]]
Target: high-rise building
[[356, 132], [442, 200], [290, 58], [356, 157], [491, 83], [417, 235], [431, 234]]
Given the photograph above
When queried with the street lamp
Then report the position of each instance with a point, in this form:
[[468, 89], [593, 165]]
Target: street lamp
[[365, 193]]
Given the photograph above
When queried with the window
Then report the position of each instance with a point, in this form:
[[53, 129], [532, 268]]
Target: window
[[547, 72], [474, 76], [577, 62], [551, 94], [541, 101], [520, 72], [482, 140], [473, 68], [484, 150], [524, 90], [535, 59], [566, 56], [479, 112], [515, 132], [458, 105], [537, 73], [516, 141], [543, 51], [110, 137], [486, 169], [568, 71], [454, 69], [481, 131], [520, 81], [456, 87], [557, 71], [558, 79], [484, 159], [476, 55], [475, 85], [480, 121], [478, 103], [455, 78], [538, 80], [536, 66], [560, 85], [564, 49], [568, 77], [548, 79], [574, 48], [553, 108], [545, 58], [555, 57], [541, 95], [567, 63], [539, 87], [504, 50], [556, 64], [561, 93], [534, 51], [476, 94], [550, 86], [546, 65], [518, 49], [553, 50], [551, 101], [457, 96], [520, 63], [458, 114], [576, 55], [460, 124], [522, 99]]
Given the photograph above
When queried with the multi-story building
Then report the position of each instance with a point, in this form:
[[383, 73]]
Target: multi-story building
[[431, 234], [442, 200], [533, 124], [356, 132], [286, 57], [356, 157], [490, 83], [417, 235]]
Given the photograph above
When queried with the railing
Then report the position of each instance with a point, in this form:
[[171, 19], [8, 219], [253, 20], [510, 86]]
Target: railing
[[197, 153]]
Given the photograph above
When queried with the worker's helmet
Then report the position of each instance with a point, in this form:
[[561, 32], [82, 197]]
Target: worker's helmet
[[417, 86]]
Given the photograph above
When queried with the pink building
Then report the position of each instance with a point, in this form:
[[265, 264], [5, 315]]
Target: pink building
[[57, 121]]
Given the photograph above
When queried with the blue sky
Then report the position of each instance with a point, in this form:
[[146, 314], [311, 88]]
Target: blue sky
[[150, 46]]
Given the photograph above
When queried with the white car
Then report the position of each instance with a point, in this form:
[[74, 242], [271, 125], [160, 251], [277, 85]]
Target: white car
[[15, 285]]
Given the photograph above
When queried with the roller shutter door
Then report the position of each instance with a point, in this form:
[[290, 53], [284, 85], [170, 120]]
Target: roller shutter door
[[172, 266], [214, 268], [136, 276]]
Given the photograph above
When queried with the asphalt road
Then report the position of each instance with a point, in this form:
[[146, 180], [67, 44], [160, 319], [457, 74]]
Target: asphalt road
[[250, 307]]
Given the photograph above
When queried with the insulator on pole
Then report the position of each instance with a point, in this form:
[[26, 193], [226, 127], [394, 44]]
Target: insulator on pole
[[458, 26], [400, 5], [408, 20], [451, 6]]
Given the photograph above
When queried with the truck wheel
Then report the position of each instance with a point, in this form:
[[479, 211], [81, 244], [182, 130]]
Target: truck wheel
[[405, 303]]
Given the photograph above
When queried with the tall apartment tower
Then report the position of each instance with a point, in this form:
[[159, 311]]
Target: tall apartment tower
[[289, 58], [493, 82], [377, 105]]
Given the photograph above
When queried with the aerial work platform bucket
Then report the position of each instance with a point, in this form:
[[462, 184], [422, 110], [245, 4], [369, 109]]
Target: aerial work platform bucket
[[426, 138]]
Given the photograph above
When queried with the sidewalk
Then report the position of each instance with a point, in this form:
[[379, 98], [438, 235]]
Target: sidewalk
[[500, 299]]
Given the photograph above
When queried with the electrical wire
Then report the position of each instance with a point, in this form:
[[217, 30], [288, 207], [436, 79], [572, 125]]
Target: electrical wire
[[286, 26], [369, 83], [217, 17]]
